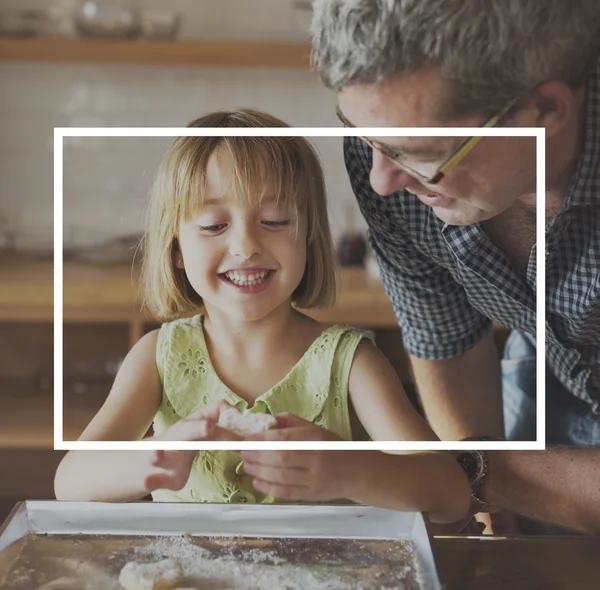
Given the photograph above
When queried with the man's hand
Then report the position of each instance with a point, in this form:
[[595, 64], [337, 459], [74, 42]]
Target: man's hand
[[502, 522]]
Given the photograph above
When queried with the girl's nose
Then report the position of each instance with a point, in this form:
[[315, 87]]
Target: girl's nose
[[245, 243], [386, 177]]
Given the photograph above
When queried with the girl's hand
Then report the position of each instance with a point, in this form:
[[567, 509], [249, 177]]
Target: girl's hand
[[201, 425], [171, 469], [313, 476], [291, 427]]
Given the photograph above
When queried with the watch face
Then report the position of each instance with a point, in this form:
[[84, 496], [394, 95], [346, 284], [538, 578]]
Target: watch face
[[472, 464]]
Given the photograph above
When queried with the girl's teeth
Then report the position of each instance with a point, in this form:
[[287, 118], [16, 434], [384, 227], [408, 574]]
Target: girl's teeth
[[248, 279]]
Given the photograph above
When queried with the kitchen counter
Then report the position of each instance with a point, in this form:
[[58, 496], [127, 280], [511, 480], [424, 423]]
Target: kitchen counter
[[518, 563], [494, 562]]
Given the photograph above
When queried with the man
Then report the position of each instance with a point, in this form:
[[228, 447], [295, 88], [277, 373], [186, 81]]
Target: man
[[460, 252], [453, 229]]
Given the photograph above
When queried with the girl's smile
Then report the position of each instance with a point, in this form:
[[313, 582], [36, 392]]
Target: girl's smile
[[249, 280]]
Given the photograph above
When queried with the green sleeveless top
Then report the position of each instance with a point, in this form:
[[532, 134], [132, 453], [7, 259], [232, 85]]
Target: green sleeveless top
[[315, 389]]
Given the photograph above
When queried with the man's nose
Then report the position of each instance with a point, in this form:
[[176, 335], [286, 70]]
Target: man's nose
[[245, 242], [386, 177]]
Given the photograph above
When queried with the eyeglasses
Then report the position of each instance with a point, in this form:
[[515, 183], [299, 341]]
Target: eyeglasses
[[428, 176]]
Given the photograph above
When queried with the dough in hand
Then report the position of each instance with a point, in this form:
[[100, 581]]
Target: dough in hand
[[245, 424], [161, 575]]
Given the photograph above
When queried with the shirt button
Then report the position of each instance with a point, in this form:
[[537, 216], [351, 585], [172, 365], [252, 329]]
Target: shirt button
[[239, 470], [240, 497]]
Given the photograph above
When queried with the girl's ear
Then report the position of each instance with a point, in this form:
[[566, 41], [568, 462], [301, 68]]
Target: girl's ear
[[176, 255]]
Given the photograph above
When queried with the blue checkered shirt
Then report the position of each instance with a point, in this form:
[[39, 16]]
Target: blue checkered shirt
[[448, 283]]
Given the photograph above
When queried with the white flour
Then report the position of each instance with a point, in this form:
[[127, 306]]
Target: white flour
[[217, 563], [255, 568]]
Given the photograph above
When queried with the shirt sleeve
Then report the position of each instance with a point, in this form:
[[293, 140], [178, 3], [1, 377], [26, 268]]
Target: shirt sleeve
[[431, 307]]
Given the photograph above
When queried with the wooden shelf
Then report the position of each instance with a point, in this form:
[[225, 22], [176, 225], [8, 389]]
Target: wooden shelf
[[201, 53], [107, 294]]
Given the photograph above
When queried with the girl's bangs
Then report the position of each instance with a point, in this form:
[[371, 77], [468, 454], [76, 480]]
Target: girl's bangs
[[262, 168]]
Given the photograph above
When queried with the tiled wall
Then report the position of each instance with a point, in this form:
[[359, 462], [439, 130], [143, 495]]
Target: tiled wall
[[106, 179]]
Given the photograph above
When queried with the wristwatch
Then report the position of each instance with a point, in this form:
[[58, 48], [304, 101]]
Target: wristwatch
[[474, 464]]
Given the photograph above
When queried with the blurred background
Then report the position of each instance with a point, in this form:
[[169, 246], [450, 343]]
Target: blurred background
[[113, 63]]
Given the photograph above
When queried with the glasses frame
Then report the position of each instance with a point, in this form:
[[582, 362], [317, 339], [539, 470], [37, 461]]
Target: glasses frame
[[449, 163]]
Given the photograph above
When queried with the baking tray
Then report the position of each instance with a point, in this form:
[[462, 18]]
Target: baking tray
[[49, 545]]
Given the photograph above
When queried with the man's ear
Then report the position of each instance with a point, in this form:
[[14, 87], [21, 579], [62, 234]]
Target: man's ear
[[554, 104]]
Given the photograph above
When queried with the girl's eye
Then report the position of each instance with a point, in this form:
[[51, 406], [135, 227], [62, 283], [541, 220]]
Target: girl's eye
[[213, 229], [281, 223]]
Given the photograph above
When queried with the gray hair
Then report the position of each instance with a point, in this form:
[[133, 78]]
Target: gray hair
[[489, 52]]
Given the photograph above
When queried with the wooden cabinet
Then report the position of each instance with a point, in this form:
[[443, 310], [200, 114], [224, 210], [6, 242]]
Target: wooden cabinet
[[26, 474]]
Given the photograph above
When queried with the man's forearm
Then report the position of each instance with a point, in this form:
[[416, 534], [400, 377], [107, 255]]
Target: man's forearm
[[462, 395], [411, 482], [558, 485]]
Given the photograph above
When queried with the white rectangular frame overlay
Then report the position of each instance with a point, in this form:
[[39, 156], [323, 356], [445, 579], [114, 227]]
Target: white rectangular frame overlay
[[61, 132]]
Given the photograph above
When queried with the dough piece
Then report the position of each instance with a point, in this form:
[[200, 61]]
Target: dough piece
[[161, 575], [245, 424]]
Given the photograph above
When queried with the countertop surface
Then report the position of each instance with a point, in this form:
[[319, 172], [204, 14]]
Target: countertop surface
[[518, 563], [515, 563]]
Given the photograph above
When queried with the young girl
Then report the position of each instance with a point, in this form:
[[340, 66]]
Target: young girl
[[239, 224]]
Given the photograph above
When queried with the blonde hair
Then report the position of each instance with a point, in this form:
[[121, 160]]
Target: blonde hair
[[290, 165]]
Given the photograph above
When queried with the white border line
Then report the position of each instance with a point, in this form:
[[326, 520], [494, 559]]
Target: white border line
[[540, 289], [298, 131], [297, 445], [62, 132], [58, 291]]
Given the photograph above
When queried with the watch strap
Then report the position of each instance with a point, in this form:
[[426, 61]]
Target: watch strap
[[476, 470]]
